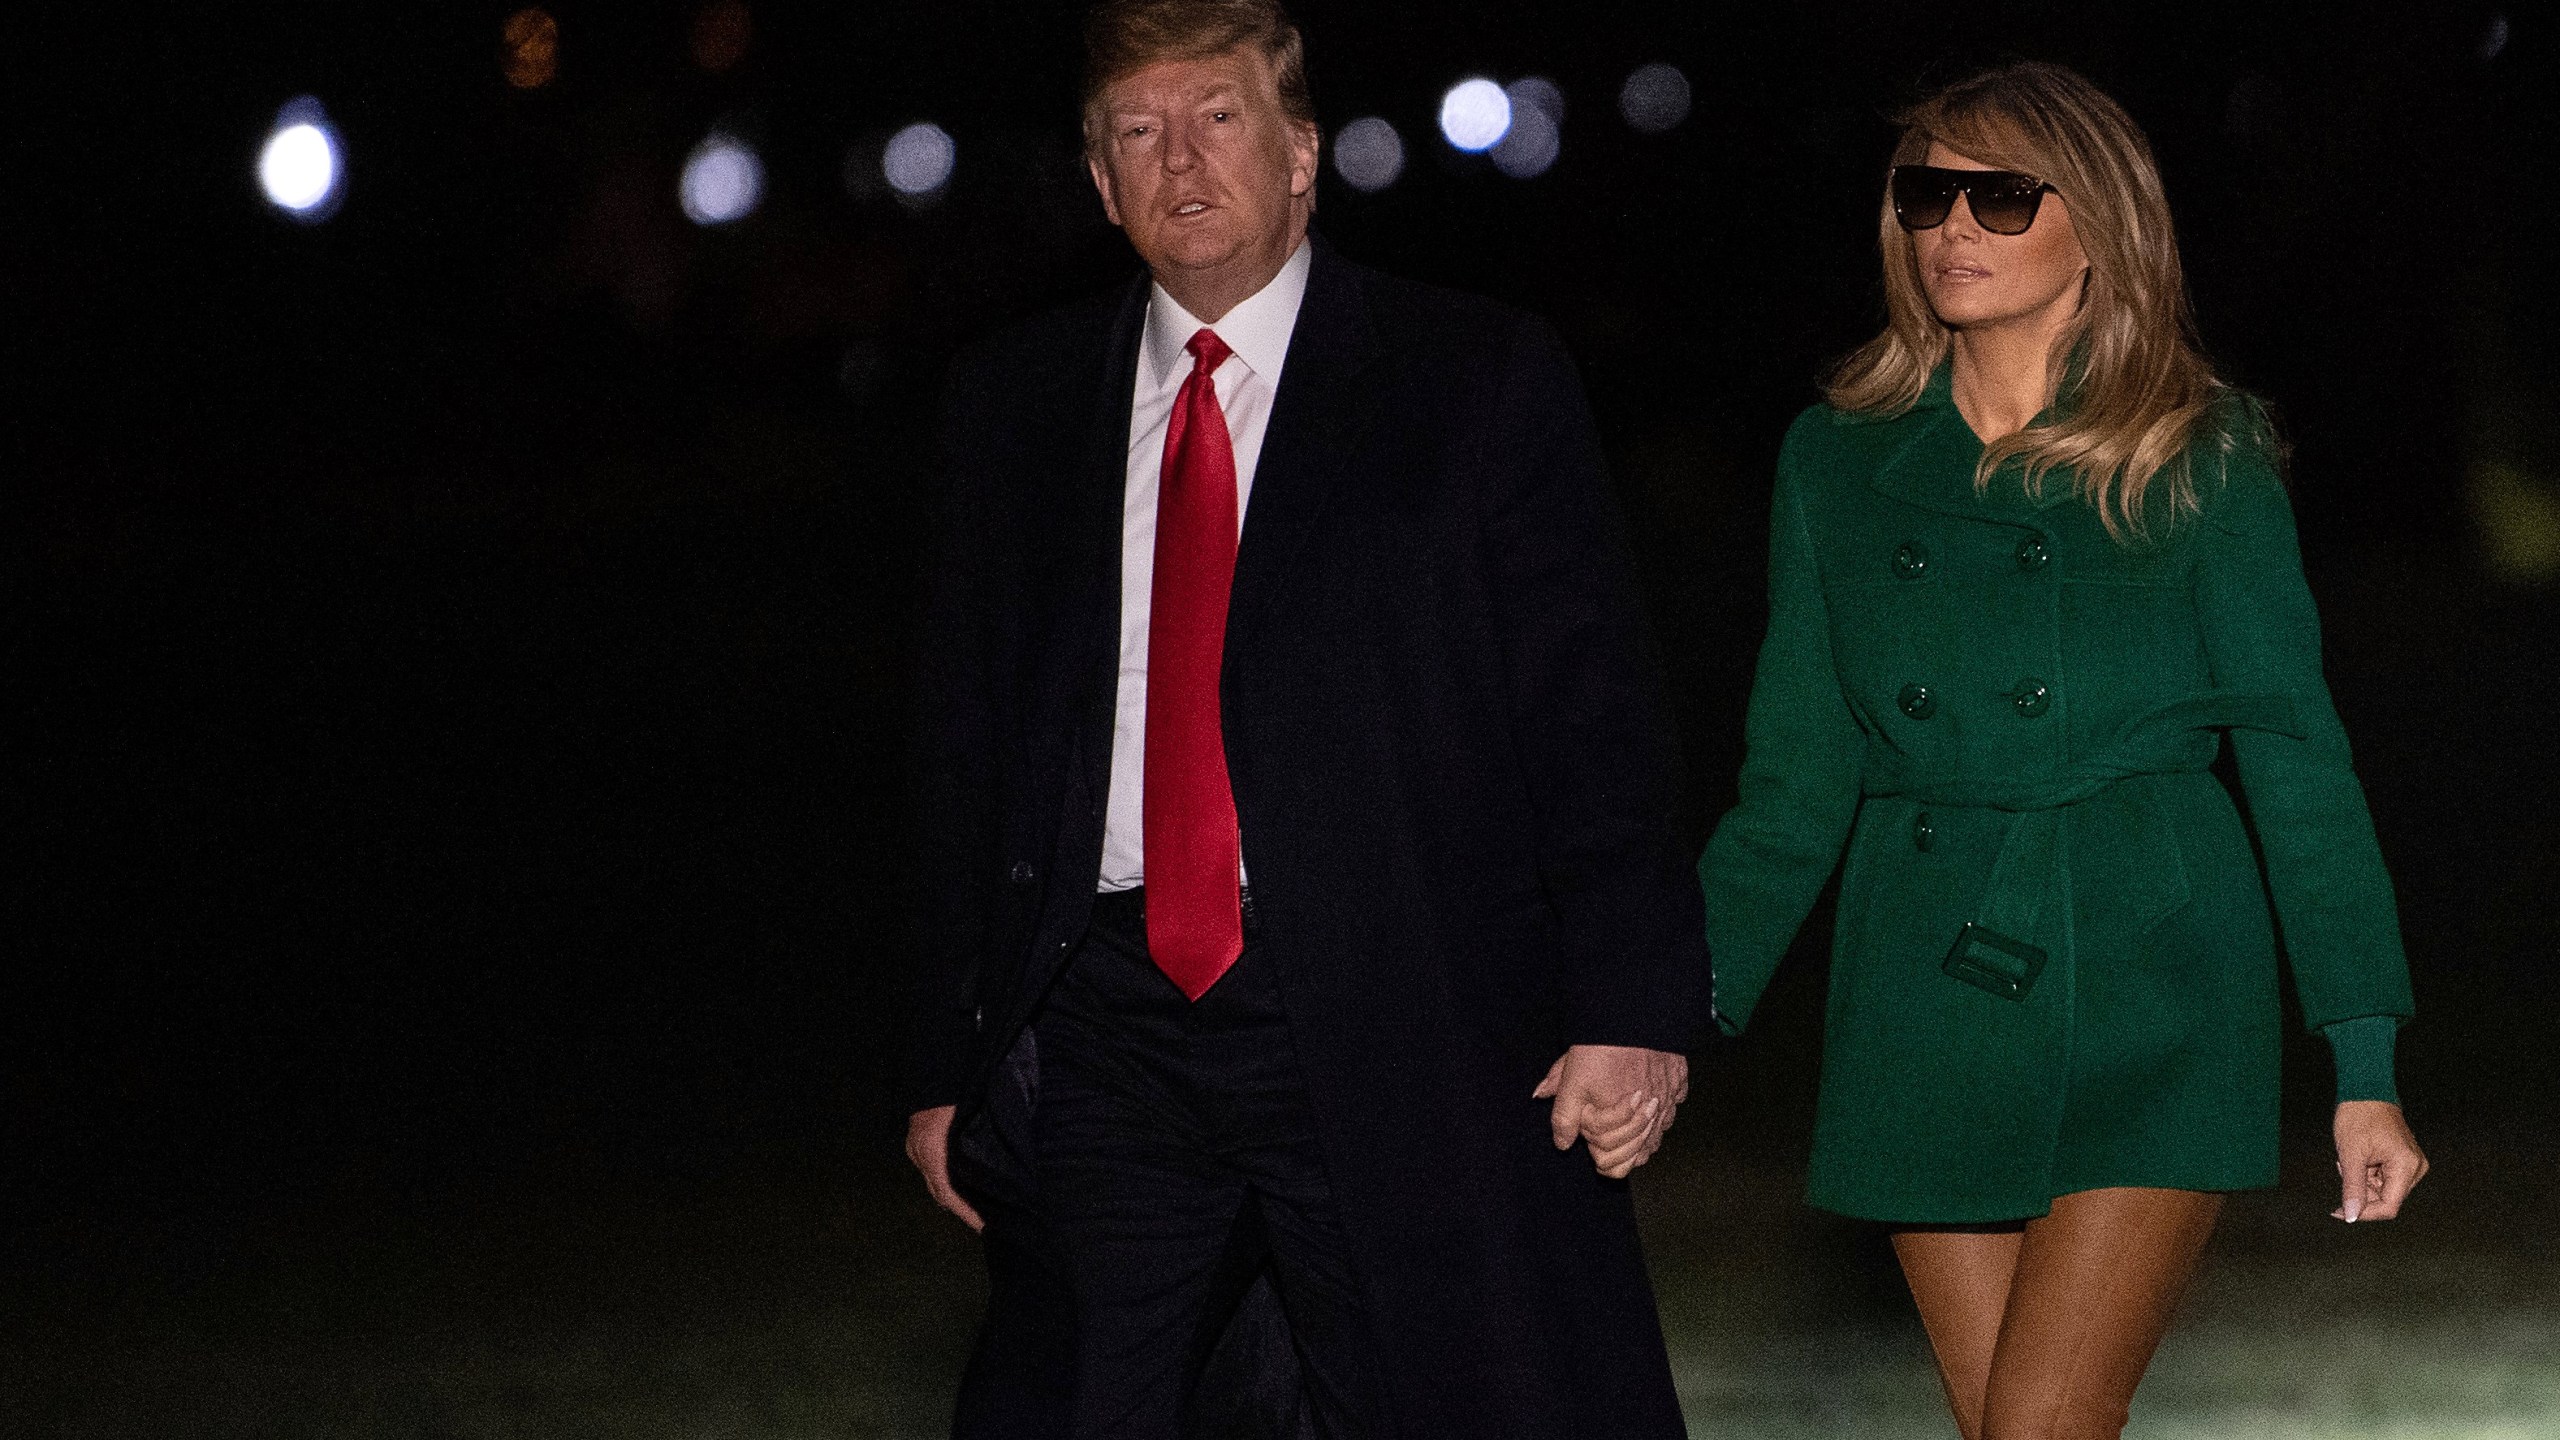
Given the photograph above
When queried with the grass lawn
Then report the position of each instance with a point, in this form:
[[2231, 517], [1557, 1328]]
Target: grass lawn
[[788, 1313]]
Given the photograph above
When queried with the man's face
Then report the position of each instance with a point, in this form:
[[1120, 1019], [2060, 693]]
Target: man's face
[[1198, 163]]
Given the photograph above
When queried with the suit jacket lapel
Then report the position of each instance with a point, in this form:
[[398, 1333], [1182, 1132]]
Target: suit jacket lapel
[[1318, 420]]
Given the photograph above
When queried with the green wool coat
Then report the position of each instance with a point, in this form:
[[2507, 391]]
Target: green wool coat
[[2054, 967]]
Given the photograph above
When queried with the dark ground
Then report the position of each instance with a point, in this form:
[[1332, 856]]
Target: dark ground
[[454, 658]]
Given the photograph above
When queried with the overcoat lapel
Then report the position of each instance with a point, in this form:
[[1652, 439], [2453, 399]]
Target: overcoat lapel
[[1933, 467], [1318, 421], [1100, 479]]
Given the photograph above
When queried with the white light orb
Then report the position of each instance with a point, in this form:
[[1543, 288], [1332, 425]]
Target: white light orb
[[1369, 154], [918, 160], [299, 168], [1475, 115], [1531, 145], [723, 181], [1655, 98]]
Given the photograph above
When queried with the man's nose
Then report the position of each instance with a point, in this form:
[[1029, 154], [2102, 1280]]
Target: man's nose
[[1179, 152]]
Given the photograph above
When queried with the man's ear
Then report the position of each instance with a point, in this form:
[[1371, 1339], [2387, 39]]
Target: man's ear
[[1305, 144], [1102, 186]]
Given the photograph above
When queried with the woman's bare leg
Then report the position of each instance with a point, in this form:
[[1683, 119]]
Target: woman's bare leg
[[1960, 1280], [2043, 1333], [2096, 1284]]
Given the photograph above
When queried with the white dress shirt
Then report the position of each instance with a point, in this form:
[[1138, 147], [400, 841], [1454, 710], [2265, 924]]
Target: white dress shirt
[[1258, 331]]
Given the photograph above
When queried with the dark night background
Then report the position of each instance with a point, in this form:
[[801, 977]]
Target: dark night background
[[455, 670]]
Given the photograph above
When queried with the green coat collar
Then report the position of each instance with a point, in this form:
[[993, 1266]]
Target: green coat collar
[[1933, 467]]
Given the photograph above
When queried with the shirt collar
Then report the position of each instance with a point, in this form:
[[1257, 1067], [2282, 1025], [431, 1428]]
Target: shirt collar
[[1257, 329]]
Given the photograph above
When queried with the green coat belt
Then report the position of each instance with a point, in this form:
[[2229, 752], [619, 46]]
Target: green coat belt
[[2054, 963]]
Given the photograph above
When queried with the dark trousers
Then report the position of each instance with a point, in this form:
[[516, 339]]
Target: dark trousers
[[1020, 1383], [1177, 1160]]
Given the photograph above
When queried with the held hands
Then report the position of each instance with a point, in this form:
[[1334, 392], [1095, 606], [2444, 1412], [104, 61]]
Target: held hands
[[2378, 1160], [929, 1150], [1618, 1098]]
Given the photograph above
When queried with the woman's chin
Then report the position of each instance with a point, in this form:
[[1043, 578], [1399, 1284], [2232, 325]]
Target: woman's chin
[[1969, 312]]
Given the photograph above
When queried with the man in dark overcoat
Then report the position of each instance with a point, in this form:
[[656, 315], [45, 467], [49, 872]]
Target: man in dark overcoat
[[1297, 794]]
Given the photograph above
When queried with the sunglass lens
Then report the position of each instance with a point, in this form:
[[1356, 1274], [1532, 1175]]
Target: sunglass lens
[[2006, 207], [1922, 197]]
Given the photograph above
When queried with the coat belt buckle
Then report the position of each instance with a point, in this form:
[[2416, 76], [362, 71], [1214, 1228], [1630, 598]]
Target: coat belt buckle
[[1988, 960]]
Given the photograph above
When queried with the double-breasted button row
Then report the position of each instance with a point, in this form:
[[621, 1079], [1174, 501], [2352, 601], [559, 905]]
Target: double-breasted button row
[[1911, 558], [1924, 835], [2031, 698]]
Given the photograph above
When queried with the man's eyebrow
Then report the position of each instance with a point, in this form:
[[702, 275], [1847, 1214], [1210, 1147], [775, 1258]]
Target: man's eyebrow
[[1226, 90]]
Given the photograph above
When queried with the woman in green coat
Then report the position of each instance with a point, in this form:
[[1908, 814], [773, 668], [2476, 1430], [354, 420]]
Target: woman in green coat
[[2029, 568]]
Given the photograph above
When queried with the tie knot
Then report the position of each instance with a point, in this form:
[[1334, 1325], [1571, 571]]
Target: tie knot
[[1208, 351]]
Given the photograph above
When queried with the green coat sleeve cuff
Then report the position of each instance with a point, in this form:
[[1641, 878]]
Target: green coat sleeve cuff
[[2363, 1047]]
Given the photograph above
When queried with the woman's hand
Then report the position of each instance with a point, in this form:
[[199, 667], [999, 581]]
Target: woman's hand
[[2379, 1161], [1617, 1098]]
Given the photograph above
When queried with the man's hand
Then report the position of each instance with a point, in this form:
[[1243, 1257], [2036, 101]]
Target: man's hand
[[929, 1149], [1616, 1097], [2378, 1160]]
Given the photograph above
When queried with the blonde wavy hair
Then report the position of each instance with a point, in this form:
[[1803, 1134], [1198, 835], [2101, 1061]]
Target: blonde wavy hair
[[2133, 390]]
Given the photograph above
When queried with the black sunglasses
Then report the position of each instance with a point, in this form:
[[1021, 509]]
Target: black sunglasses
[[2004, 202]]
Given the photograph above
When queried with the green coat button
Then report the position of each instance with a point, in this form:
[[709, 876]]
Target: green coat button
[[2032, 554], [1917, 702], [2032, 698], [1911, 560], [1923, 834]]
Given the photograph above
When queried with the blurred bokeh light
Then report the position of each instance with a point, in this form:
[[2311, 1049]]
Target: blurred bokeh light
[[723, 181], [1475, 115], [1540, 91], [2493, 38], [1655, 98], [2518, 521], [1530, 146], [300, 167], [721, 34], [1368, 154], [530, 54], [918, 160]]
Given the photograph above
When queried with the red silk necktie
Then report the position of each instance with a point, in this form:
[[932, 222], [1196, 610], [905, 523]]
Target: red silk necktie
[[1195, 921]]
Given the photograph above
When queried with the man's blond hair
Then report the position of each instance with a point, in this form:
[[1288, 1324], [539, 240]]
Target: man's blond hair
[[1122, 37]]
